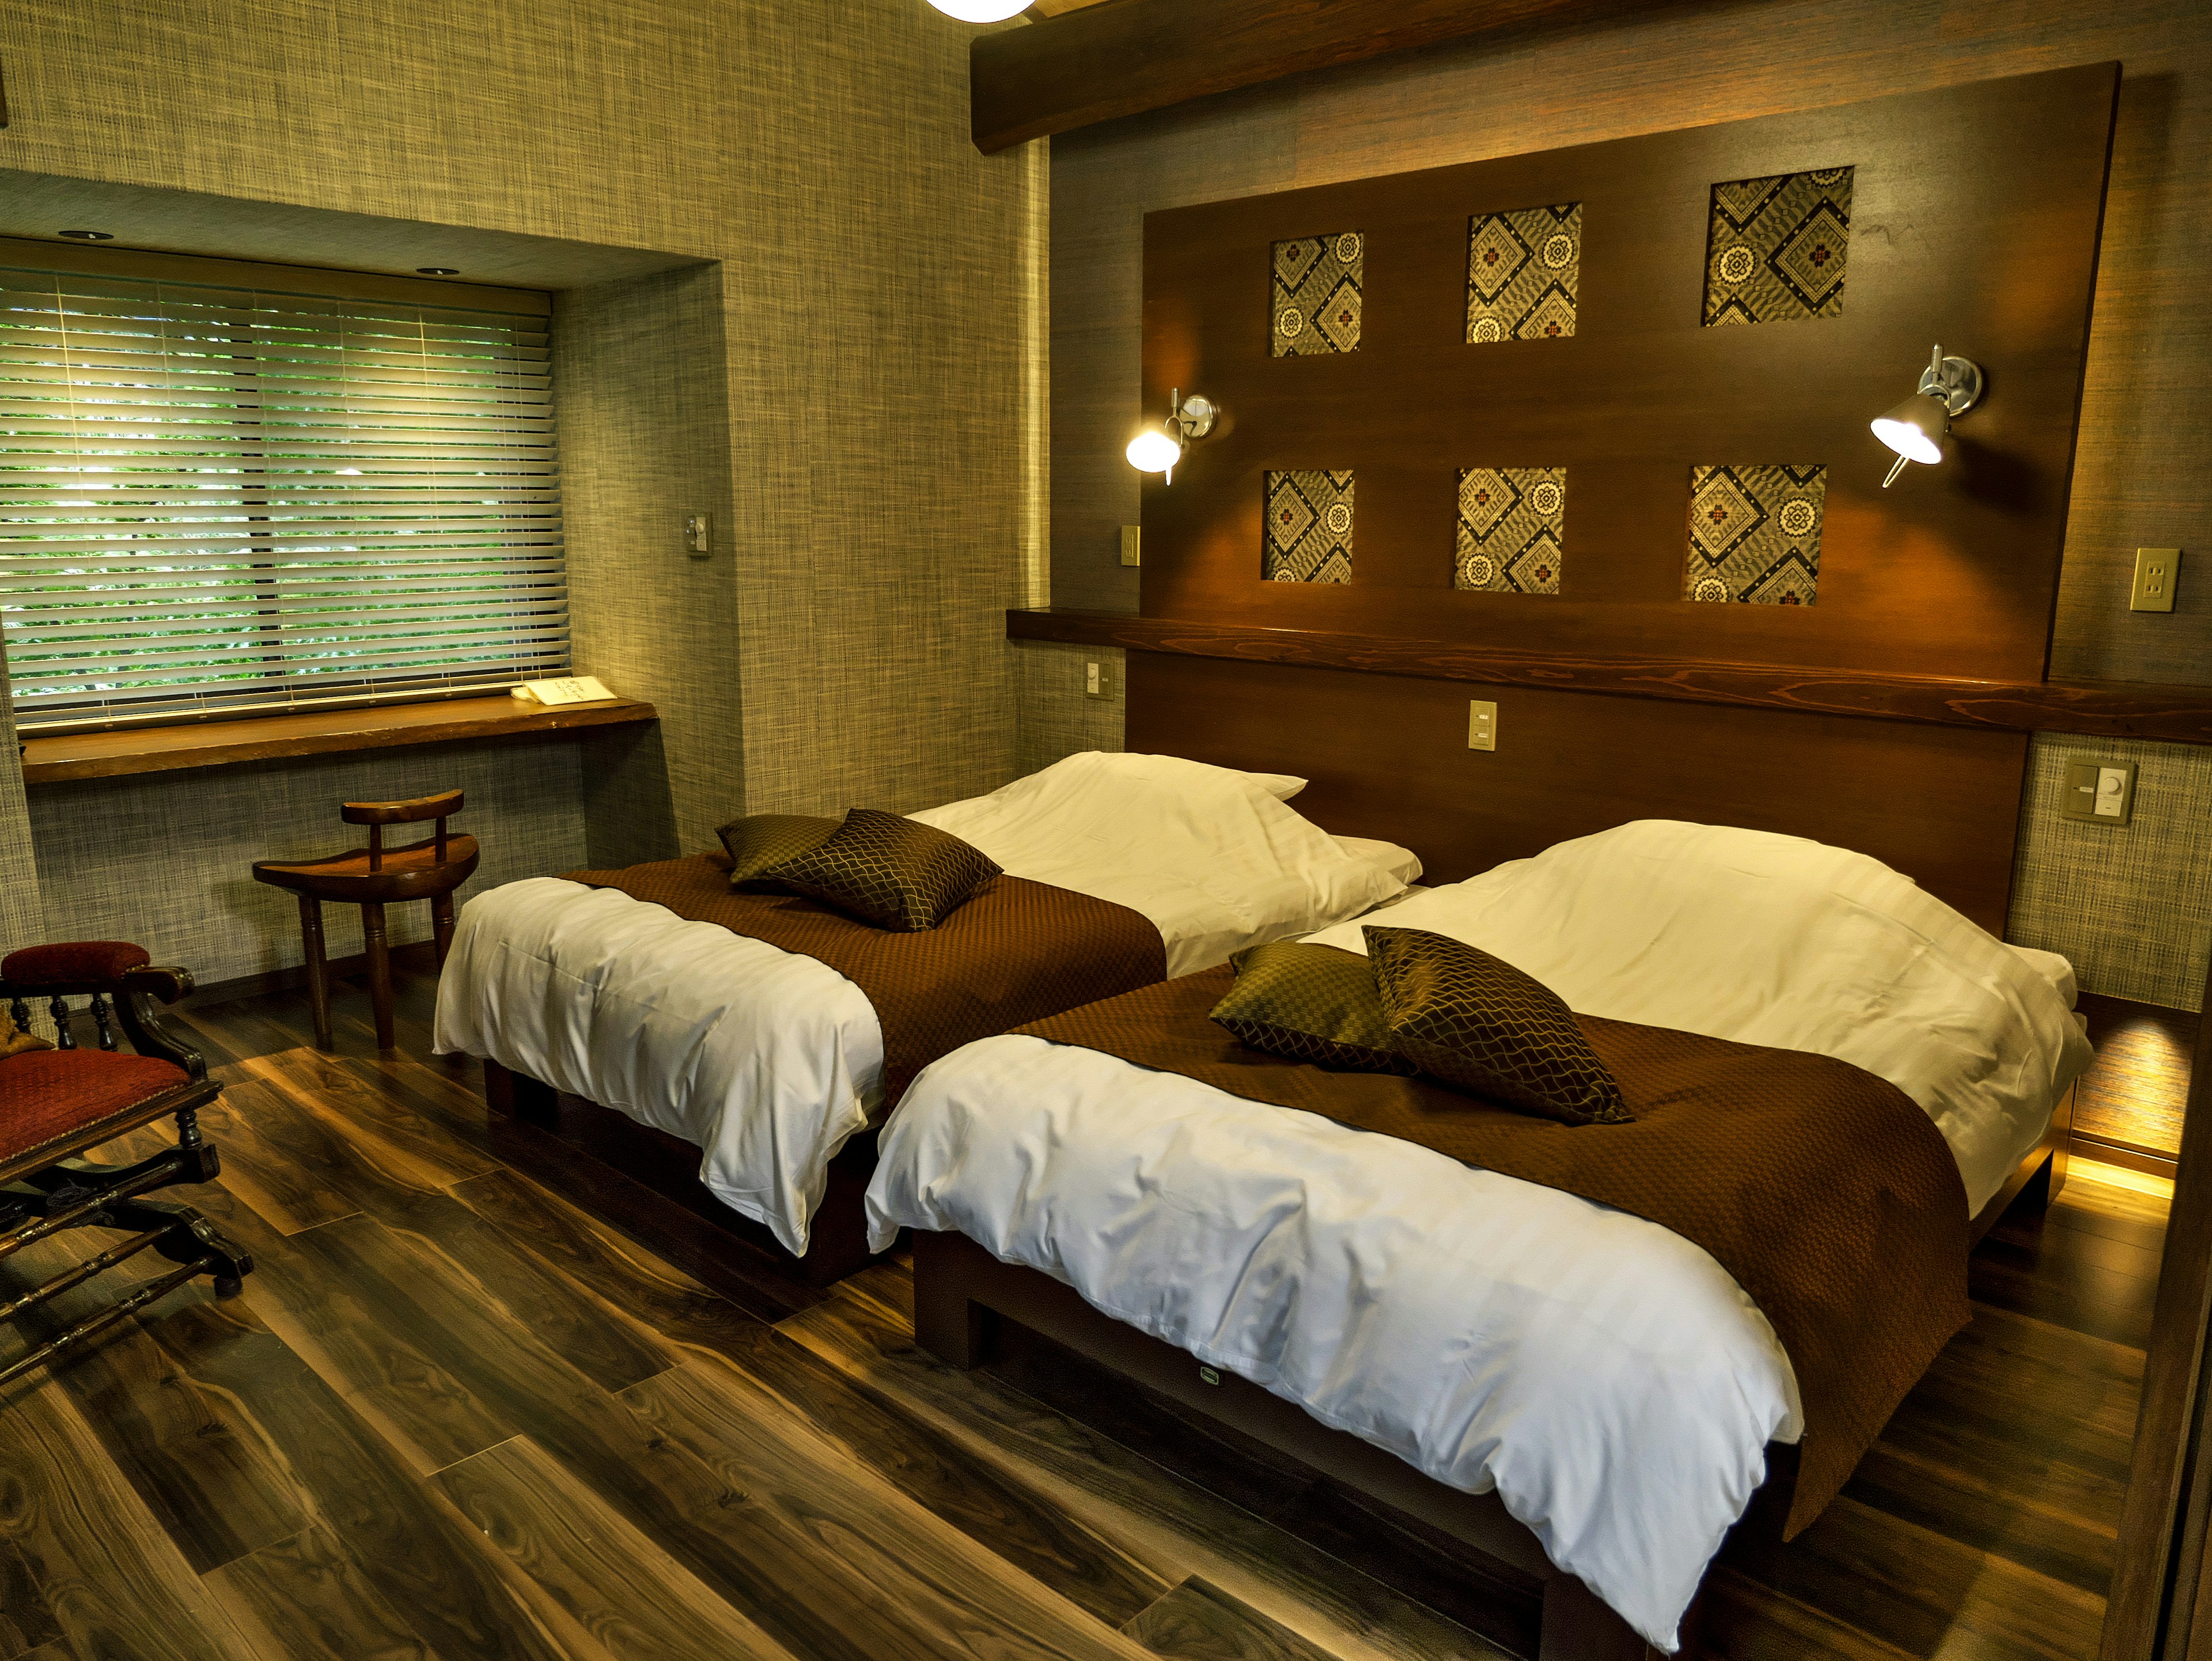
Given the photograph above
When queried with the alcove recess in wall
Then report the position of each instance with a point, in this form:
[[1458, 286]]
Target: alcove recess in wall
[[1974, 218]]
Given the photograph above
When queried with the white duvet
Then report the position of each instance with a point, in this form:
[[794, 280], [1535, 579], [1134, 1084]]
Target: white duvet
[[769, 1060], [1606, 1376]]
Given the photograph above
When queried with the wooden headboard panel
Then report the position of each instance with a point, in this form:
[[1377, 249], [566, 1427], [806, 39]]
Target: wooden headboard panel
[[1387, 757]]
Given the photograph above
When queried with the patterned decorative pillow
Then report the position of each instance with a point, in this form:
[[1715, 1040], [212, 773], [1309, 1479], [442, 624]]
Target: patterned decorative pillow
[[1477, 1023], [1312, 1003], [760, 840], [889, 871]]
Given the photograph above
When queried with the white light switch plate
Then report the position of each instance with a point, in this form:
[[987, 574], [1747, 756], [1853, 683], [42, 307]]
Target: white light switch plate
[[1481, 724]]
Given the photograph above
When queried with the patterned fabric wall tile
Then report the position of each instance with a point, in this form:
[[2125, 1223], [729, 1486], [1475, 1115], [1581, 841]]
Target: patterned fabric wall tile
[[1309, 537], [1523, 270], [1777, 248], [1755, 534], [1317, 296], [1511, 529]]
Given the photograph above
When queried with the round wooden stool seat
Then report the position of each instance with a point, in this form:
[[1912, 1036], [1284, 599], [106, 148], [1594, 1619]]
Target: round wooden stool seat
[[373, 878]]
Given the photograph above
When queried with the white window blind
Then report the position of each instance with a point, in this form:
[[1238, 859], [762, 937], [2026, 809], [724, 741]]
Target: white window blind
[[218, 499]]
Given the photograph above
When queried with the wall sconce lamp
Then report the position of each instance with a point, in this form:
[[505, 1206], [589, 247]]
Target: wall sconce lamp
[[1917, 429], [982, 11], [1158, 445]]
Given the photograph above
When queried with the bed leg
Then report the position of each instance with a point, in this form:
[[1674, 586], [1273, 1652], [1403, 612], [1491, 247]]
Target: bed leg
[[1578, 1627], [518, 1096], [947, 1323]]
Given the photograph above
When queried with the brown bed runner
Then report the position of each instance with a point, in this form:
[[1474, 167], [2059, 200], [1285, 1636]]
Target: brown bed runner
[[1824, 1191], [1016, 951]]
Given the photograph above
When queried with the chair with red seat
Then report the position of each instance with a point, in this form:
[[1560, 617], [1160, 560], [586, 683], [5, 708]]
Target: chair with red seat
[[373, 878], [58, 1102]]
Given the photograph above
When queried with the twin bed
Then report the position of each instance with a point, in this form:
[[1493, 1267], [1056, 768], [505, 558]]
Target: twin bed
[[1592, 1397]]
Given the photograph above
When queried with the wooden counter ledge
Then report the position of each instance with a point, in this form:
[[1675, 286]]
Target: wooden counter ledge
[[86, 755]]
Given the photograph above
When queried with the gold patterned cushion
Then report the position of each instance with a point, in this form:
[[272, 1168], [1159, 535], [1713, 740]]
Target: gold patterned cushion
[[889, 871], [1312, 1003], [1476, 1023], [760, 840]]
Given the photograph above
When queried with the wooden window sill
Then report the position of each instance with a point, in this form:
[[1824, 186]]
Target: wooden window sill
[[54, 759]]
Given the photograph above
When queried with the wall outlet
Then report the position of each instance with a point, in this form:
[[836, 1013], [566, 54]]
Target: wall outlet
[[1481, 724], [2156, 571], [1098, 680], [699, 535], [2099, 792], [1132, 535]]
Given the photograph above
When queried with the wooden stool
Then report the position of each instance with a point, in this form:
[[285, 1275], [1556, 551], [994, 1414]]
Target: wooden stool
[[372, 878]]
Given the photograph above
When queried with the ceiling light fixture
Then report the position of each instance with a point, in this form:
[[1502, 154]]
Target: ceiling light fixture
[[1918, 429], [88, 236], [982, 11], [439, 271], [1158, 445]]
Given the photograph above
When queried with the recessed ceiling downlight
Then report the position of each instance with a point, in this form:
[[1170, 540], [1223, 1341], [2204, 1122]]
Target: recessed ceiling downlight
[[88, 236], [982, 11]]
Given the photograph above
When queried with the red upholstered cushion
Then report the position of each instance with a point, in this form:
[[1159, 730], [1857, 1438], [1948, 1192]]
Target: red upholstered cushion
[[47, 1093], [77, 960]]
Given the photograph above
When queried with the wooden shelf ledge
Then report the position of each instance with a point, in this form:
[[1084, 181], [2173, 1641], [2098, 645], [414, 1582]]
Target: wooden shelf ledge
[[62, 756], [2133, 709]]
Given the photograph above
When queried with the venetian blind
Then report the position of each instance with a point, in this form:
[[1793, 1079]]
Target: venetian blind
[[215, 498]]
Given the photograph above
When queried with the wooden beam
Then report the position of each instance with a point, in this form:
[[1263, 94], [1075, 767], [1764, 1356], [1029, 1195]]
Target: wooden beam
[[2172, 714], [1094, 64], [53, 758]]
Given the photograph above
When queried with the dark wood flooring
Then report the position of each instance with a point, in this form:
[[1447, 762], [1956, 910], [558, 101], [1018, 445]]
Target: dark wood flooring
[[460, 1412]]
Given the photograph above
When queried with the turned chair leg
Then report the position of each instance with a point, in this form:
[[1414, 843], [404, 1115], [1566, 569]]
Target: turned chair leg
[[319, 968], [441, 923], [379, 972]]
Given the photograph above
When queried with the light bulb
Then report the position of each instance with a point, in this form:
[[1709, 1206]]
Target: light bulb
[[1915, 430], [982, 11], [1152, 451]]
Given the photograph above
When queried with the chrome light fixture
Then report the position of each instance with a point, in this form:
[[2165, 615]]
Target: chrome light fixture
[[1158, 445], [982, 11], [1918, 429]]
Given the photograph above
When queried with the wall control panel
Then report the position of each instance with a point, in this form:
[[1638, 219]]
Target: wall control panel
[[1098, 680], [1481, 724], [699, 535], [2099, 792]]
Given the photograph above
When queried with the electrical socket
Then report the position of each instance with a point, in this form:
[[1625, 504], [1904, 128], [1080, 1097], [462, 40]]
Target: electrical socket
[[2157, 569], [1132, 536], [699, 535], [1481, 724]]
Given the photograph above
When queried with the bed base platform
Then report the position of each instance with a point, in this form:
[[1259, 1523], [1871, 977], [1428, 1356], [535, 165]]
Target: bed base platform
[[962, 1293], [837, 1243]]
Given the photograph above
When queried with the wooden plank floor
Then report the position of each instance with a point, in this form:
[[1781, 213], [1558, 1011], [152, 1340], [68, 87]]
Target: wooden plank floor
[[460, 1414]]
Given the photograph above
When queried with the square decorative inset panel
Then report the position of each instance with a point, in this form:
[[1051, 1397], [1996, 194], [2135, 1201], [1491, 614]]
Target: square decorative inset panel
[[1511, 525], [1755, 534], [1522, 271], [1777, 246], [1317, 296], [1308, 527]]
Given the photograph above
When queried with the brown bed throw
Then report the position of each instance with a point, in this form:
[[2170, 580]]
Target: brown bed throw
[[1825, 1191], [1016, 952]]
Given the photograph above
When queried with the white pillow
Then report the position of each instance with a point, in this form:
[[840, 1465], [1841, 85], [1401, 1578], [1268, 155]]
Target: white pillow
[[1281, 786]]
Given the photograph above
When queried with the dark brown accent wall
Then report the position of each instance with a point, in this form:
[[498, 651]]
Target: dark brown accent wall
[[2146, 411]]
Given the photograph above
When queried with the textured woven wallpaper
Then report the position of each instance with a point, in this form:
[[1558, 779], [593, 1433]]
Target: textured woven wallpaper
[[850, 379]]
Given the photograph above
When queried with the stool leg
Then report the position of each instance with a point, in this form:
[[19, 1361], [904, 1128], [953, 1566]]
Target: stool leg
[[319, 968], [379, 972], [441, 923]]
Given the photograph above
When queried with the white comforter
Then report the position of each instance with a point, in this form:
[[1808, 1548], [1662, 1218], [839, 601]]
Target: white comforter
[[1606, 1377], [770, 1061]]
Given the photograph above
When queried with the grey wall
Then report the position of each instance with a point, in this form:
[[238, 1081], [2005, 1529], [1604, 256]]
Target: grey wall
[[797, 298]]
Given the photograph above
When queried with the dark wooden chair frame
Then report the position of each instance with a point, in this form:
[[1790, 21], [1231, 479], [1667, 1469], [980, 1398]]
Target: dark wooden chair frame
[[961, 1292], [371, 891], [47, 1188]]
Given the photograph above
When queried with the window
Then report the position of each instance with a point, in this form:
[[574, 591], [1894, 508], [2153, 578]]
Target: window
[[230, 488]]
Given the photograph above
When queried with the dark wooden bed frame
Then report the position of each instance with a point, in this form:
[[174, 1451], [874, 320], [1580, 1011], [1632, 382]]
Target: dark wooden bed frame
[[962, 1293]]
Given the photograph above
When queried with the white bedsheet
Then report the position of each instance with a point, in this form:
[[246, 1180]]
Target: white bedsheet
[[770, 1061], [1606, 1377]]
